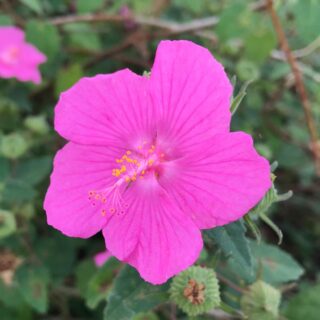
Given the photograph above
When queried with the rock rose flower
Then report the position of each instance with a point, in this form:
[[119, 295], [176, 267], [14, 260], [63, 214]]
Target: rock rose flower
[[151, 161], [19, 59]]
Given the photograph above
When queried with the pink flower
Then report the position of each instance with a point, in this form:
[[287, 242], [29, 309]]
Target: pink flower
[[18, 58], [101, 258], [151, 161]]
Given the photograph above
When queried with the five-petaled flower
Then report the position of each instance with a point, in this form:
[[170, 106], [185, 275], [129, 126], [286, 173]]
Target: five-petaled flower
[[151, 161], [19, 59]]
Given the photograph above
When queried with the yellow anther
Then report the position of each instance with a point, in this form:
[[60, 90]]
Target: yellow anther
[[127, 179], [150, 162], [143, 172], [128, 152], [97, 197], [123, 169], [134, 178]]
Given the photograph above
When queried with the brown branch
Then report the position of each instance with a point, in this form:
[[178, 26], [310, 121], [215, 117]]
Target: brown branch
[[173, 27], [231, 284], [315, 142]]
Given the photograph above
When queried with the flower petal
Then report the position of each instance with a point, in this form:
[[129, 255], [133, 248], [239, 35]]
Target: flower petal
[[190, 91], [101, 258], [220, 181], [154, 236], [10, 36], [77, 170], [105, 109]]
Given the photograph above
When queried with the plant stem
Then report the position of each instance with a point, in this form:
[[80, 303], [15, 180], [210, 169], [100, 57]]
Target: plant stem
[[300, 87]]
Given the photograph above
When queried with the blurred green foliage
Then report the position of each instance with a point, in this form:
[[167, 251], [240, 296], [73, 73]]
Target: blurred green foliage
[[44, 275]]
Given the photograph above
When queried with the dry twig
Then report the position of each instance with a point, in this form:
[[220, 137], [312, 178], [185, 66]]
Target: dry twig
[[315, 143], [173, 27]]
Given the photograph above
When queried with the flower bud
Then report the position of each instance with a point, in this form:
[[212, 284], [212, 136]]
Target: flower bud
[[13, 145], [195, 290], [261, 302], [37, 124]]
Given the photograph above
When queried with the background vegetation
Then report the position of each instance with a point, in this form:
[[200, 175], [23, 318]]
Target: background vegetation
[[44, 275]]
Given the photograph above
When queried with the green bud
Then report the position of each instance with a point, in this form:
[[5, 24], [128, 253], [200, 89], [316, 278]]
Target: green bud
[[13, 145], [232, 47], [261, 302], [37, 124], [146, 74], [195, 290], [270, 197], [246, 70], [7, 223], [27, 210]]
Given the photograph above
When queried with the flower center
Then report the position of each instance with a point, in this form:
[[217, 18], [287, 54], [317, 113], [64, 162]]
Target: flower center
[[10, 55], [134, 165], [195, 292]]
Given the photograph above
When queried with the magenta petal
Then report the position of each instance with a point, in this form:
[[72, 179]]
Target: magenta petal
[[27, 66], [101, 258], [222, 179], [10, 35], [105, 109], [155, 237], [78, 170], [17, 58], [191, 93]]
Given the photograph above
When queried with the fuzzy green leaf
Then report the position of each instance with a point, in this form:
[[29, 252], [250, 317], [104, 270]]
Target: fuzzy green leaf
[[33, 285], [232, 241], [132, 295]]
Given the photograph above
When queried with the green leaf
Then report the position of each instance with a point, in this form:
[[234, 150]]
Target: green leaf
[[84, 272], [33, 285], [232, 241], [34, 170], [276, 265], [100, 284], [67, 77], [58, 262], [7, 223], [306, 16], [34, 5], [5, 20], [17, 191], [9, 114], [260, 42], [239, 97], [85, 6], [305, 305], [10, 295], [4, 169], [132, 295], [44, 36]]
